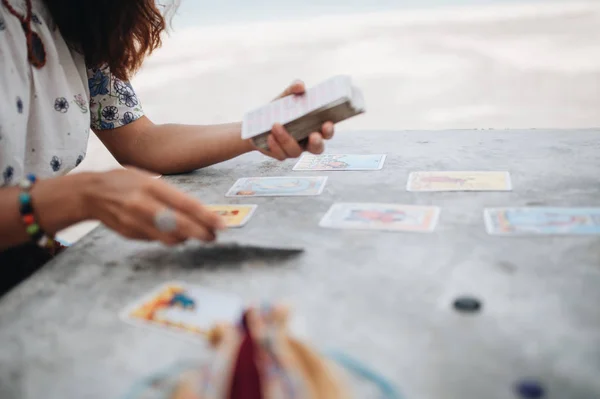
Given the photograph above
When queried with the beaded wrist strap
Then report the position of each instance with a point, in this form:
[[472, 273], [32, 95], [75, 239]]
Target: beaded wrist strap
[[32, 227]]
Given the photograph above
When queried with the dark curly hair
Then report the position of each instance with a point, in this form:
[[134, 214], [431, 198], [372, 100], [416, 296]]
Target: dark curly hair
[[117, 33]]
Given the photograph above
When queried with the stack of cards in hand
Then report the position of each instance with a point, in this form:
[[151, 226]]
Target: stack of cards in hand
[[410, 218], [334, 100]]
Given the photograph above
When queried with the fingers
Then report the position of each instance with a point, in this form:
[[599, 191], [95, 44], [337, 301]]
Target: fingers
[[186, 227], [141, 220], [285, 142], [327, 130], [139, 226], [186, 205], [130, 201], [125, 224], [315, 143], [282, 144], [275, 149], [297, 87]]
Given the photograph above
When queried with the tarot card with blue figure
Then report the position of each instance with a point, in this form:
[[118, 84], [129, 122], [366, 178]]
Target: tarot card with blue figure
[[543, 221], [183, 308], [277, 186], [310, 162], [393, 217]]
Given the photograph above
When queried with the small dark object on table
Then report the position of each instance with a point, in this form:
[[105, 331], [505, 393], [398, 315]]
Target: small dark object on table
[[467, 304], [530, 389]]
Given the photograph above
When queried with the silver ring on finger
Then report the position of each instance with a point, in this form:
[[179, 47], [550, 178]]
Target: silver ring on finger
[[165, 221]]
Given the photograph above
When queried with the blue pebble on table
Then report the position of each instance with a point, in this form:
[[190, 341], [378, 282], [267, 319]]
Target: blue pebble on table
[[530, 389]]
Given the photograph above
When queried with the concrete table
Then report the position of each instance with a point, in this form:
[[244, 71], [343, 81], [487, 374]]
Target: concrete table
[[384, 298]]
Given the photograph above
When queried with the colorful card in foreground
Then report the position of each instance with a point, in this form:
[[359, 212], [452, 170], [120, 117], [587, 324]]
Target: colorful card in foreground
[[277, 186], [340, 162], [545, 221], [234, 215], [184, 308], [381, 217], [459, 181]]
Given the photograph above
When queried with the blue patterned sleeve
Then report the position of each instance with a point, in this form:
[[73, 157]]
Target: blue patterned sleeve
[[113, 102]]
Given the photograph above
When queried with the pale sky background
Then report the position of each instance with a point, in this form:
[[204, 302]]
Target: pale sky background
[[204, 12]]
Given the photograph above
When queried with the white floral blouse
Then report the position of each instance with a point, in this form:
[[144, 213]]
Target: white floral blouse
[[46, 114]]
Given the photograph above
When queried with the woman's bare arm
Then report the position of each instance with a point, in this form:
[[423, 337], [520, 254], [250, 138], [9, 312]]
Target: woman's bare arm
[[126, 201], [171, 148]]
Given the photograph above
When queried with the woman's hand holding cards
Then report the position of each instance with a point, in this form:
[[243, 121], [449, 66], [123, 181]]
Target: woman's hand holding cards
[[283, 146]]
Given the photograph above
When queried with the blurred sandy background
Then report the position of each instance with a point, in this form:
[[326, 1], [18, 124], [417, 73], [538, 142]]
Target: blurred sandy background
[[496, 65]]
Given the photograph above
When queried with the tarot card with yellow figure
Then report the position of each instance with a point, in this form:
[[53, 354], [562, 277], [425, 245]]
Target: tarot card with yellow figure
[[234, 215]]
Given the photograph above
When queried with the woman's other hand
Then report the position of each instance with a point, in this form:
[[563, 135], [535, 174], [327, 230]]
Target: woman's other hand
[[282, 145], [139, 206]]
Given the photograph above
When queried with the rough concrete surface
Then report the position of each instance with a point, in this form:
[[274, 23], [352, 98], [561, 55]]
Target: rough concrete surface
[[384, 298]]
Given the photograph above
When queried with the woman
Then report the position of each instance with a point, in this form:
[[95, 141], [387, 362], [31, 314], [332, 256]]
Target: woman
[[64, 68]]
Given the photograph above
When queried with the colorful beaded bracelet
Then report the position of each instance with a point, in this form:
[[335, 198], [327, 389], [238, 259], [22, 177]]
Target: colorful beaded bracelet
[[32, 227]]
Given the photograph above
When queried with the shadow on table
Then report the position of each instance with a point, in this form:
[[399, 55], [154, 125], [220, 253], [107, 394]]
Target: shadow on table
[[212, 256]]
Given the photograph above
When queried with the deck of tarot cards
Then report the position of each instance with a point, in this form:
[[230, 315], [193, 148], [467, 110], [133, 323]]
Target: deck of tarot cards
[[335, 100]]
